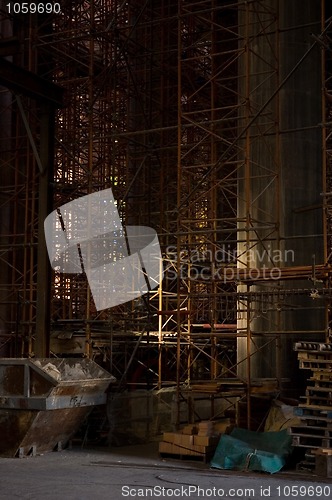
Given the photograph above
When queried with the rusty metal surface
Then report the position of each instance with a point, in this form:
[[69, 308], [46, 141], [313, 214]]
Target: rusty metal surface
[[11, 380], [23, 430], [52, 427], [42, 384], [44, 401], [13, 427]]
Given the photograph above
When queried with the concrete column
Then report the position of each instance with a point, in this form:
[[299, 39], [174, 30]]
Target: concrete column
[[281, 178]]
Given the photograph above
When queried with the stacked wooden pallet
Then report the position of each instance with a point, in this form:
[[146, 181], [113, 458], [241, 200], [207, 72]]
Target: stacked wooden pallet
[[194, 441], [315, 412]]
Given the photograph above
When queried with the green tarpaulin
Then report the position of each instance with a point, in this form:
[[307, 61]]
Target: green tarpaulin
[[256, 451]]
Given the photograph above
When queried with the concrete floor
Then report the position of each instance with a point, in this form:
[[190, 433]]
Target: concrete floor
[[138, 472]]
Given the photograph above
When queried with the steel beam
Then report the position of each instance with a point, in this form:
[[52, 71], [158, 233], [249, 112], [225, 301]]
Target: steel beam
[[24, 82]]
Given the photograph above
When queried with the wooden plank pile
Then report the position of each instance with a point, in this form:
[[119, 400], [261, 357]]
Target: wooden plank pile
[[315, 412], [193, 441]]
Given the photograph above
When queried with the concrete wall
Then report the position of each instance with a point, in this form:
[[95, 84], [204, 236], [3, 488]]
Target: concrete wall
[[284, 165]]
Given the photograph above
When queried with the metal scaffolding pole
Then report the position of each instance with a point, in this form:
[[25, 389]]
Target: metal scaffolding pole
[[181, 108]]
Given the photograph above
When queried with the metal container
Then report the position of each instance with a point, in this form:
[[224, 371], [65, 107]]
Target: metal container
[[44, 401]]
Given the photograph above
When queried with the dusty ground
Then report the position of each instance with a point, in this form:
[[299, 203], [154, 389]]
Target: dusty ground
[[139, 472]]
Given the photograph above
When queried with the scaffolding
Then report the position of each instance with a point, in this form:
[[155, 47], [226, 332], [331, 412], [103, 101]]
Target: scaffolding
[[179, 107]]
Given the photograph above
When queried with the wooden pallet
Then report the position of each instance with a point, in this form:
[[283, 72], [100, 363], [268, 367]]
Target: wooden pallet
[[305, 411], [318, 396], [312, 346], [308, 463], [320, 388], [312, 421], [318, 461], [319, 376], [324, 365], [315, 355], [316, 402], [315, 412], [311, 430], [308, 441]]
